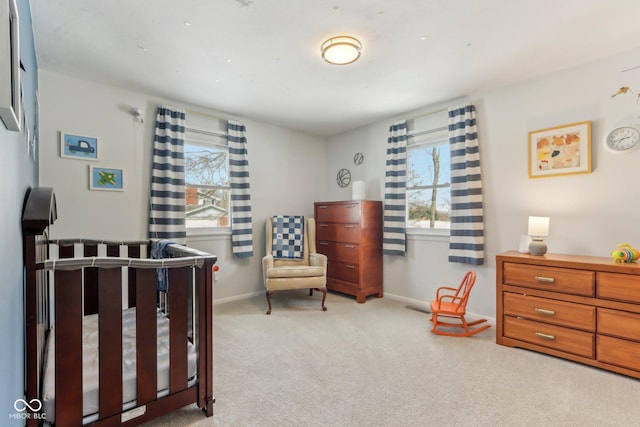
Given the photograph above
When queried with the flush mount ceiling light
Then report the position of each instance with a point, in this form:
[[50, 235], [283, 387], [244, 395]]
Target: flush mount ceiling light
[[341, 50]]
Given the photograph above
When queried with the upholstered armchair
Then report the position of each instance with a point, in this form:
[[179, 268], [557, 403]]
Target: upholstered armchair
[[282, 269]]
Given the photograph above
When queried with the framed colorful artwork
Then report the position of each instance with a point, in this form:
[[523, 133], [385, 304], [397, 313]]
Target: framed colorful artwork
[[78, 147], [560, 150], [110, 179]]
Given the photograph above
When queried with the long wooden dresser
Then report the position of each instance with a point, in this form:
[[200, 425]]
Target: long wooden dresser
[[350, 235], [581, 308]]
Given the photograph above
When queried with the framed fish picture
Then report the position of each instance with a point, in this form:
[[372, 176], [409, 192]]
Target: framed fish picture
[[78, 147], [110, 179]]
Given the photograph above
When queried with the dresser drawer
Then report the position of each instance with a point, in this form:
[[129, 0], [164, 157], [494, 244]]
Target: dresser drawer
[[556, 337], [621, 287], [348, 233], [619, 323], [563, 313], [345, 252], [343, 271], [618, 352], [327, 248], [342, 212], [566, 280]]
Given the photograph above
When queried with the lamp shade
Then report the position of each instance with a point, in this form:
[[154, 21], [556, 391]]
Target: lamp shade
[[359, 190], [538, 226], [341, 50]]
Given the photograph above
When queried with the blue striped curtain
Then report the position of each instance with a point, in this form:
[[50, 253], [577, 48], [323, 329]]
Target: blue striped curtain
[[466, 244], [395, 185], [167, 214], [241, 227]]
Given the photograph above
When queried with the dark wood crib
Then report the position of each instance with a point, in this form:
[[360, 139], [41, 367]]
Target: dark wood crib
[[98, 281]]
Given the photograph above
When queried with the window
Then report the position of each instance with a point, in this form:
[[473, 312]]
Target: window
[[206, 177], [428, 173]]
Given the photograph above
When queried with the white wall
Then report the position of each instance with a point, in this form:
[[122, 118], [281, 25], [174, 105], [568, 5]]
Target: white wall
[[18, 173], [590, 213], [287, 171], [287, 175], [88, 109]]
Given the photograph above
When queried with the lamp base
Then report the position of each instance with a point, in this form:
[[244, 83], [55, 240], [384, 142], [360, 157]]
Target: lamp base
[[537, 247]]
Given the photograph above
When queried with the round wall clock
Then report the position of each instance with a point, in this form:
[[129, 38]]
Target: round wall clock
[[622, 139], [358, 158], [343, 178]]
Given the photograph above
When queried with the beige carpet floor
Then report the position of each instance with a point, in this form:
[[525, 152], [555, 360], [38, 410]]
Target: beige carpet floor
[[377, 364]]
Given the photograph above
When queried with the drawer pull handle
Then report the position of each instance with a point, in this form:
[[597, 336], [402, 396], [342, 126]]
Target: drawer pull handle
[[323, 225], [352, 206], [545, 279], [350, 266], [545, 336], [350, 246], [324, 243], [323, 207], [545, 312], [349, 226]]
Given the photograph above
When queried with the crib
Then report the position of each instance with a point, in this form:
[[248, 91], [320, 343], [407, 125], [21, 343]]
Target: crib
[[104, 346]]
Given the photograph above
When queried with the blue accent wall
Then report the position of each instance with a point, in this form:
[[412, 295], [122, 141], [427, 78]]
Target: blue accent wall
[[18, 172]]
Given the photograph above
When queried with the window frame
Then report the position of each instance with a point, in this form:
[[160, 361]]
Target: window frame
[[191, 139], [426, 137]]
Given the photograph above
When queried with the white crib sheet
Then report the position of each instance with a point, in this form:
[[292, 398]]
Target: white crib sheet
[[90, 366]]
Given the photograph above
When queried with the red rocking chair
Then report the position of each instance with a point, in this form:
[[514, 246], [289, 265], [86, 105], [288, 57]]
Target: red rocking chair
[[453, 305]]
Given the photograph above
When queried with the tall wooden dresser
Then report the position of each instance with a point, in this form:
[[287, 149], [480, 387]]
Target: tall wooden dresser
[[350, 235], [581, 308]]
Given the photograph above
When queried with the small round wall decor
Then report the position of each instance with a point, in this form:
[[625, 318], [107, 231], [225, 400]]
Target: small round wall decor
[[358, 158], [343, 178]]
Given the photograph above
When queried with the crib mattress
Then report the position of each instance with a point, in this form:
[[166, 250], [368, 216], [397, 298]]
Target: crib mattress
[[90, 365]]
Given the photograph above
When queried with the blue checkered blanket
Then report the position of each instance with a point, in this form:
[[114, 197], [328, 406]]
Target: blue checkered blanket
[[288, 237], [159, 251]]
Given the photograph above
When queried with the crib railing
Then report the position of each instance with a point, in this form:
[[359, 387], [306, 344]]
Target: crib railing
[[91, 281], [93, 284], [105, 253], [77, 248]]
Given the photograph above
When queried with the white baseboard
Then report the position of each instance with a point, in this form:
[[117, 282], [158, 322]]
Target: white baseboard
[[420, 305], [415, 304], [236, 297]]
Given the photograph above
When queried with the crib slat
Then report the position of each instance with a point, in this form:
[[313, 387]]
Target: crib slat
[[90, 283], [134, 252], [146, 336], [66, 251], [204, 343], [110, 341], [208, 351], [68, 327], [113, 250], [178, 278], [34, 338]]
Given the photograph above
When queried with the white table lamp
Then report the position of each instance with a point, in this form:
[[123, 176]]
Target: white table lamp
[[359, 190], [538, 228]]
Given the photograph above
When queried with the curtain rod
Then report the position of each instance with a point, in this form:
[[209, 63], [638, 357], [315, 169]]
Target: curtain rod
[[219, 133], [431, 113], [425, 132], [208, 115]]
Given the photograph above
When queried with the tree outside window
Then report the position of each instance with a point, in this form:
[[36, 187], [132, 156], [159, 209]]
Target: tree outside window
[[428, 186], [206, 186]]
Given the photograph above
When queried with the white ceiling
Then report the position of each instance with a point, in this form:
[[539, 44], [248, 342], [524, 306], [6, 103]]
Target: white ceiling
[[260, 59]]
